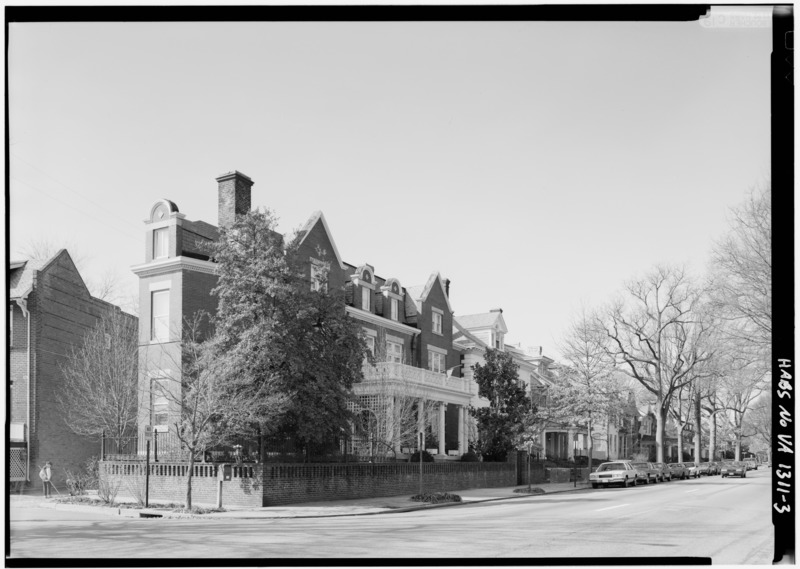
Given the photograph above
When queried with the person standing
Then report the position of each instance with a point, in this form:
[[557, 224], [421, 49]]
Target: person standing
[[45, 474]]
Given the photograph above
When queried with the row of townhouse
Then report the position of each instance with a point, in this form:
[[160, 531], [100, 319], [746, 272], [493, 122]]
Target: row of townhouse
[[420, 346]]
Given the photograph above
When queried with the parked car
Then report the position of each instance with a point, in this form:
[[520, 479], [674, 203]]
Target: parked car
[[617, 472], [679, 470], [664, 472], [702, 469], [751, 464], [734, 469], [647, 472], [714, 468], [692, 470]]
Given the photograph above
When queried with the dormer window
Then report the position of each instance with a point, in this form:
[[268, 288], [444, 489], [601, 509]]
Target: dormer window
[[365, 294], [160, 243], [392, 293], [395, 309], [436, 320], [364, 279]]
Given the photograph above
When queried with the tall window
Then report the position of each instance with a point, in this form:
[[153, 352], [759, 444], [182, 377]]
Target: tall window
[[371, 344], [160, 243], [394, 352], [365, 293], [437, 322], [436, 362], [159, 402], [318, 278], [159, 321], [395, 308]]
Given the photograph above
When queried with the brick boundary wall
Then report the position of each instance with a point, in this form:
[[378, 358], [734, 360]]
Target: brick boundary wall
[[260, 485]]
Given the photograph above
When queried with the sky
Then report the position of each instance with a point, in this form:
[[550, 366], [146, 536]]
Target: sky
[[537, 165]]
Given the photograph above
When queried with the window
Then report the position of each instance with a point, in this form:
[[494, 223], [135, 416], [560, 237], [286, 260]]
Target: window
[[108, 341], [159, 401], [437, 323], [365, 298], [159, 322], [371, 344], [160, 243], [394, 352], [11, 326], [395, 308], [318, 277], [436, 362]]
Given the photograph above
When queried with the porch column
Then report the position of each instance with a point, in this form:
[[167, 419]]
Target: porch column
[[442, 407], [461, 431], [571, 443]]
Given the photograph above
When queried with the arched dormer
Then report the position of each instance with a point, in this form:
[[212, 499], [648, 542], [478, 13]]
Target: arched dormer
[[162, 210], [393, 292], [364, 281]]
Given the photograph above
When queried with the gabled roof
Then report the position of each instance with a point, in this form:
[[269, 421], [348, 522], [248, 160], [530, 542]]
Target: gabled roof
[[21, 277], [419, 294], [316, 217], [483, 320], [464, 336]]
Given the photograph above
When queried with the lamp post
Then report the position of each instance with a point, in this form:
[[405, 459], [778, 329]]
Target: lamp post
[[575, 461]]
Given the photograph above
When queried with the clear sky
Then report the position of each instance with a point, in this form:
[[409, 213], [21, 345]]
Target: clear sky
[[536, 165]]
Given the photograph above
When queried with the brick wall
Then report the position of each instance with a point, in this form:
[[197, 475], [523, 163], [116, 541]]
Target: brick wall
[[280, 484]]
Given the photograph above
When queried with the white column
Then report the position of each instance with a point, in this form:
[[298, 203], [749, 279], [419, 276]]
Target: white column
[[462, 447], [442, 408], [571, 443]]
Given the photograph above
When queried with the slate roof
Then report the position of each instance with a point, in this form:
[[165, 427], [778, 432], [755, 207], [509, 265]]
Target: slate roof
[[483, 320], [21, 278]]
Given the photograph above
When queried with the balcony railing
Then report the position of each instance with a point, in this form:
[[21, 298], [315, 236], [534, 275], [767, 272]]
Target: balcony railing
[[414, 375]]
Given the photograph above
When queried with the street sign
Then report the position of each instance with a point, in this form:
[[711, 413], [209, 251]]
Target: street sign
[[148, 432]]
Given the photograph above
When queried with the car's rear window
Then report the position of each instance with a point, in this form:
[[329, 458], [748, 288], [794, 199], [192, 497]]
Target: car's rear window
[[611, 466], [640, 464]]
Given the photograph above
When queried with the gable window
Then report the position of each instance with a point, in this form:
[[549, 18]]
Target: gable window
[[159, 403], [395, 304], [160, 243], [394, 352], [437, 322], [436, 362], [159, 315], [318, 277], [365, 294]]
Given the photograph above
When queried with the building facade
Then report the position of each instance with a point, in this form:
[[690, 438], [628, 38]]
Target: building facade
[[407, 329], [50, 312]]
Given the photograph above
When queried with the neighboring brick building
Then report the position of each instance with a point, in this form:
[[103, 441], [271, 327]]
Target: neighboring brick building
[[408, 329], [50, 311]]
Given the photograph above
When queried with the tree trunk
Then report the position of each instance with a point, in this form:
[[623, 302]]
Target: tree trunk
[[698, 432], [712, 435], [189, 481], [590, 445], [661, 426], [680, 443]]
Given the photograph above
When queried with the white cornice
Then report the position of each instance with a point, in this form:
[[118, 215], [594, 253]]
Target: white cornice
[[174, 264], [365, 316]]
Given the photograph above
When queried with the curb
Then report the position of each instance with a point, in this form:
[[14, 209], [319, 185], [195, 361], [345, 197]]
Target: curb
[[155, 513]]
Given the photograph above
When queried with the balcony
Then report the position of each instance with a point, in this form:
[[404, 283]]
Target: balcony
[[415, 376]]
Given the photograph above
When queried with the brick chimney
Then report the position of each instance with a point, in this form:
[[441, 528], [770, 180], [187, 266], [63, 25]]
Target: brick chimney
[[447, 287], [234, 197]]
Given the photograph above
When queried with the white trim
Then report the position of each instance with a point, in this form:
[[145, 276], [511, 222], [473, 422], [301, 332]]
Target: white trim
[[380, 320], [437, 350], [174, 264], [395, 339], [370, 332], [174, 219], [439, 310], [160, 285]]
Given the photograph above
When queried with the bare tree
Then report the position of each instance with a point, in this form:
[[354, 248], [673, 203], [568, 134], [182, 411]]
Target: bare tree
[[742, 386], [210, 403], [99, 390], [742, 273], [587, 391], [658, 336]]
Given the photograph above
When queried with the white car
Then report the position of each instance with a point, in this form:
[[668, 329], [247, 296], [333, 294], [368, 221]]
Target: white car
[[617, 472]]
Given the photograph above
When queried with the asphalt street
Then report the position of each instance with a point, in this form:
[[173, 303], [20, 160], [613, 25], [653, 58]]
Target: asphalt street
[[727, 520]]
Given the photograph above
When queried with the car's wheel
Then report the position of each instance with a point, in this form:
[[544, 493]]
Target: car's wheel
[[594, 485]]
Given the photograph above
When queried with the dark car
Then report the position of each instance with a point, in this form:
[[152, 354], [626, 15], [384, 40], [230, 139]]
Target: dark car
[[714, 468], [617, 472], [664, 471], [679, 470], [647, 472], [734, 469]]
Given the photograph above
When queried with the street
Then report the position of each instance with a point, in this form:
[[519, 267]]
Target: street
[[727, 520]]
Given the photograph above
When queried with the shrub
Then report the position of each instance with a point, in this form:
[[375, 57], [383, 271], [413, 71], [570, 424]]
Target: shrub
[[107, 490], [534, 490], [426, 457], [436, 498], [470, 457]]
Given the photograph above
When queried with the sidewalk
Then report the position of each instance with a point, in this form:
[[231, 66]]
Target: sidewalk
[[363, 506]]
